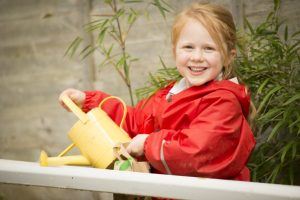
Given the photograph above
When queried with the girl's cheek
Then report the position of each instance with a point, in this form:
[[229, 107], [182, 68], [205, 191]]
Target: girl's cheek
[[214, 57], [182, 55]]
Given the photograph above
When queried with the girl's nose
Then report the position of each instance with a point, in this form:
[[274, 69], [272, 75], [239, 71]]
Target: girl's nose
[[197, 56]]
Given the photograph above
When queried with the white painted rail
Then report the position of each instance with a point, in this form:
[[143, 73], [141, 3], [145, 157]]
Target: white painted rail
[[177, 187]]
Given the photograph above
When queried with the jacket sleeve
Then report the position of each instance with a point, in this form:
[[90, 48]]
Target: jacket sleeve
[[137, 119], [216, 144]]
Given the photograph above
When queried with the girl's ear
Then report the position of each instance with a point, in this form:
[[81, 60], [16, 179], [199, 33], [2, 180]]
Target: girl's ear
[[231, 56]]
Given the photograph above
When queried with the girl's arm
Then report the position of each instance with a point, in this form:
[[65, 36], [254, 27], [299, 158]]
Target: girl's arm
[[136, 121]]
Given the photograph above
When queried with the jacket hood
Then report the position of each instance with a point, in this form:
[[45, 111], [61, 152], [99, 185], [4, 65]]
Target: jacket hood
[[240, 91]]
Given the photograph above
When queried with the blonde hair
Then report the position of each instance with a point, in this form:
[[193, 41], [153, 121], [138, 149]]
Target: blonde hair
[[220, 25]]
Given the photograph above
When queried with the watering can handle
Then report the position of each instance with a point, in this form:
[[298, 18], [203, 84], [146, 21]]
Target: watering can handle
[[83, 117], [75, 109], [124, 107]]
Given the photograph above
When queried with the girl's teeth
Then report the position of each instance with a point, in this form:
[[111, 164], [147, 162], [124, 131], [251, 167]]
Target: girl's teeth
[[197, 69]]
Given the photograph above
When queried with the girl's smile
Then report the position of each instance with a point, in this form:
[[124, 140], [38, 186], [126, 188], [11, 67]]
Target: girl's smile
[[196, 70]]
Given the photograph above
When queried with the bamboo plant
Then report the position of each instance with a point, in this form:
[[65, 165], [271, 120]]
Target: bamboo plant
[[115, 28], [269, 63]]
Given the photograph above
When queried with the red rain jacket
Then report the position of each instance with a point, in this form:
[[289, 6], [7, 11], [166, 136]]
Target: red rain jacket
[[202, 131]]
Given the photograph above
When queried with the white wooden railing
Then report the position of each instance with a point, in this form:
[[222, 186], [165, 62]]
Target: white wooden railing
[[167, 186]]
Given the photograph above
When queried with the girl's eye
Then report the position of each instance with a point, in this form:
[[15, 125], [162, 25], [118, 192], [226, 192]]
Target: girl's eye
[[188, 47], [209, 49]]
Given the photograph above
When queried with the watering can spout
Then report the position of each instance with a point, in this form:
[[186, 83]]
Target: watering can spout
[[65, 160]]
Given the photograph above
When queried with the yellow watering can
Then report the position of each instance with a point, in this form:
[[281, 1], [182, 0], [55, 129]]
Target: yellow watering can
[[95, 134]]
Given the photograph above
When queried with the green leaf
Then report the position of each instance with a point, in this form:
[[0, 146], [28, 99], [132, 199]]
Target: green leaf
[[162, 7], [270, 16], [125, 165], [291, 174], [292, 99], [153, 80], [108, 53], [126, 70], [275, 173], [267, 97], [294, 123], [294, 48], [132, 16], [259, 90], [275, 130], [85, 49], [295, 34], [254, 175], [248, 25], [119, 13], [47, 15], [73, 47], [121, 61], [294, 150], [88, 52], [286, 33], [101, 36], [285, 150], [271, 114], [162, 63], [276, 4], [97, 25]]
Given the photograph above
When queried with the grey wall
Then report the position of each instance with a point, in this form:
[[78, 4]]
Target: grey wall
[[34, 34]]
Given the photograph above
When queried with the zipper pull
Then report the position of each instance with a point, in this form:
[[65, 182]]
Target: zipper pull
[[169, 97]]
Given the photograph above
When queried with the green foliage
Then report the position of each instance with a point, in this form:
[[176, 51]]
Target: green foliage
[[269, 64], [115, 27], [158, 80]]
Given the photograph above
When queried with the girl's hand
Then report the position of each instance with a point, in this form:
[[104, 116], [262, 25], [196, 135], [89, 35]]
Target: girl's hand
[[136, 146], [76, 96]]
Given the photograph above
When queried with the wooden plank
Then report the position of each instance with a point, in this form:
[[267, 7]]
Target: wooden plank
[[167, 186]]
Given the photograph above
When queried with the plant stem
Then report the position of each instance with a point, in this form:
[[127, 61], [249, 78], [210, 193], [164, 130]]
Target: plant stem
[[130, 94], [122, 43]]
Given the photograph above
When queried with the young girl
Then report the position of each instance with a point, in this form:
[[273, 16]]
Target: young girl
[[197, 126]]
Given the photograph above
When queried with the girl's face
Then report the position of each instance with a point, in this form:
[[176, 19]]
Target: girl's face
[[196, 54]]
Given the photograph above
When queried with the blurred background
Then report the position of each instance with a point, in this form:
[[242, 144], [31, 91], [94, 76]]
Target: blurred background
[[34, 36]]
